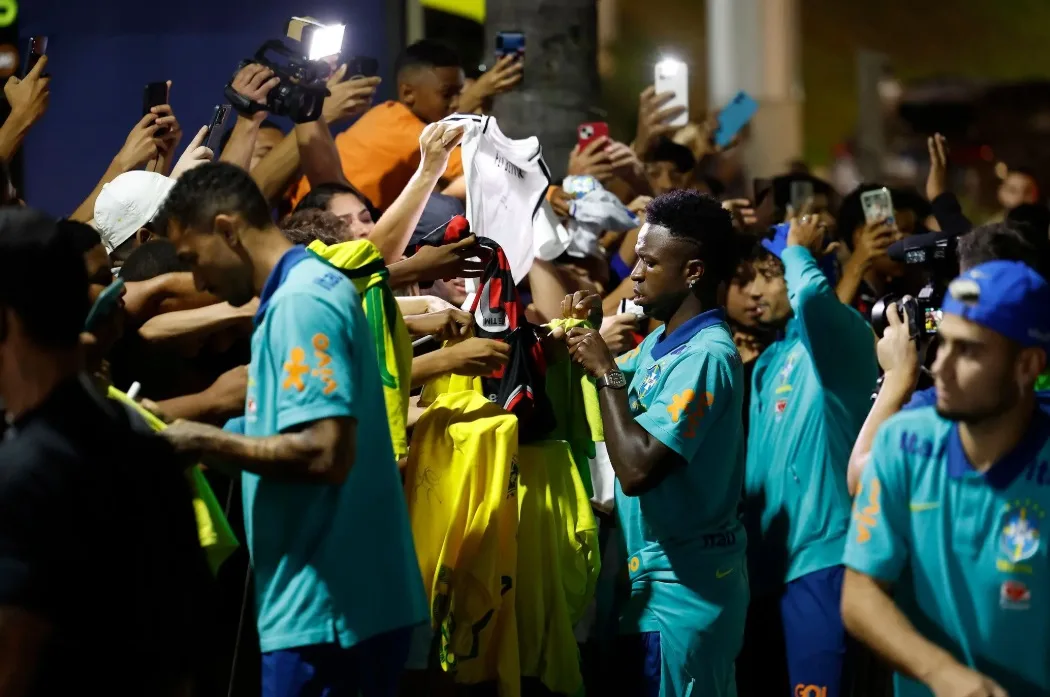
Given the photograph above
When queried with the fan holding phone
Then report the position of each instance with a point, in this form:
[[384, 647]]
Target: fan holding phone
[[29, 95]]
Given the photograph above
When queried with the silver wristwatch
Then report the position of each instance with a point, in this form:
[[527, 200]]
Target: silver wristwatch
[[614, 379]]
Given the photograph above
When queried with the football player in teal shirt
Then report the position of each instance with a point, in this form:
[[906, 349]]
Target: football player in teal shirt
[[337, 584], [674, 438], [947, 571], [811, 389]]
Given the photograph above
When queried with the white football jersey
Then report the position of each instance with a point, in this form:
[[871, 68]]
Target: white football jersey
[[506, 181]]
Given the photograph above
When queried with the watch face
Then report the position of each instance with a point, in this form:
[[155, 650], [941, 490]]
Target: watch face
[[616, 379]]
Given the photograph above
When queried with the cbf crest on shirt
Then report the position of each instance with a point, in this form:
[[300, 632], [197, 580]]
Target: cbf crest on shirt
[[965, 550]]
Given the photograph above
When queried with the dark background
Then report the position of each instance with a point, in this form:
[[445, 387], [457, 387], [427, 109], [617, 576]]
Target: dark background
[[101, 55]]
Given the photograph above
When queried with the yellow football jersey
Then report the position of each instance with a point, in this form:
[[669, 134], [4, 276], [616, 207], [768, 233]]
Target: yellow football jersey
[[558, 563], [461, 484]]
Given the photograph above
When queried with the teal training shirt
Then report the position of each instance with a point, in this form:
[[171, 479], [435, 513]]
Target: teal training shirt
[[811, 391], [684, 541], [332, 563], [964, 550]]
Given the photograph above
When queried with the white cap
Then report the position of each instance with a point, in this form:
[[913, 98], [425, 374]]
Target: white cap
[[127, 203]]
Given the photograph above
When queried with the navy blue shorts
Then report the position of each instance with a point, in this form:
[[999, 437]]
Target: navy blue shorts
[[371, 669], [638, 664], [814, 636]]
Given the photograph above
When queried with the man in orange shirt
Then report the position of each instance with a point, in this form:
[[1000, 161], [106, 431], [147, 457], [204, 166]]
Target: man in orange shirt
[[380, 152]]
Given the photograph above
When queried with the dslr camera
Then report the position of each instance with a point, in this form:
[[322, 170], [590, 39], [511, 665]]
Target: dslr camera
[[935, 254], [301, 92]]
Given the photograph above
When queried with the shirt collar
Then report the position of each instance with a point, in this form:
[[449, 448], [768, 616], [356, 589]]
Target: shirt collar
[[1005, 471], [690, 328], [280, 272]]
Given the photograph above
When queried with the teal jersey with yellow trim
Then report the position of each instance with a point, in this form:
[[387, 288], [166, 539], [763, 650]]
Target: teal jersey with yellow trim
[[333, 563], [964, 550]]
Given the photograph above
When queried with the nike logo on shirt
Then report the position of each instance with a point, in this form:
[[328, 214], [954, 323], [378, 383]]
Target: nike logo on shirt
[[919, 506], [722, 573]]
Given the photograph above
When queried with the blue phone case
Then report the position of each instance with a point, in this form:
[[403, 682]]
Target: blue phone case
[[734, 117]]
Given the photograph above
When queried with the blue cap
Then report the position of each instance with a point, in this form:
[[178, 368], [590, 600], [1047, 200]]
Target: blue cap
[[778, 243], [1007, 297]]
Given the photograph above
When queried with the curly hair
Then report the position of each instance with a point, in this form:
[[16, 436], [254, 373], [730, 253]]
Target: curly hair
[[305, 226], [700, 218]]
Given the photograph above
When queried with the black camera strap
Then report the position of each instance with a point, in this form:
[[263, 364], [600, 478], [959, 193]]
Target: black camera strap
[[241, 104]]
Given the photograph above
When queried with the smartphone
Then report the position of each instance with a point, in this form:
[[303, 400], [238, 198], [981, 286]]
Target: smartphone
[[155, 94], [105, 304], [587, 133], [801, 191], [673, 76], [361, 66], [734, 117], [37, 48], [510, 43], [217, 128], [878, 206]]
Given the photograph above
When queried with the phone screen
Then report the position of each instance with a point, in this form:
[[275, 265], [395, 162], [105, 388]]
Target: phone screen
[[37, 48], [155, 94], [217, 129], [672, 76], [878, 206], [510, 43]]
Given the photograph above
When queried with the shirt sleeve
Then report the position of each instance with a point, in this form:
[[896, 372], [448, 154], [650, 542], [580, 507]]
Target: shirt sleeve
[[681, 413], [877, 542], [841, 343], [310, 341]]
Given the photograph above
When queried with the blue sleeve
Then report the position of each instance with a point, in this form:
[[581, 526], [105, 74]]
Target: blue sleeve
[[679, 413], [877, 544], [310, 339], [922, 398], [841, 343]]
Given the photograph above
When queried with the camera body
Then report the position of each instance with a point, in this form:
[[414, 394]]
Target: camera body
[[301, 91], [937, 258]]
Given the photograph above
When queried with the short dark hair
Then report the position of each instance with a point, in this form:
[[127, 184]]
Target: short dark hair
[[427, 54], [303, 227], [82, 236], [320, 197], [43, 278], [691, 215], [213, 188], [666, 150], [155, 258], [1004, 241]]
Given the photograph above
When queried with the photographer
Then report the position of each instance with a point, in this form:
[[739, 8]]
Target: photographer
[[899, 355], [944, 556]]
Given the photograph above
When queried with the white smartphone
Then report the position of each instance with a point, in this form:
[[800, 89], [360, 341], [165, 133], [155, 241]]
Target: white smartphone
[[673, 76], [878, 206]]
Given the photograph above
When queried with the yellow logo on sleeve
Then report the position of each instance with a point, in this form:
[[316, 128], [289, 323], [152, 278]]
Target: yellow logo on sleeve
[[296, 369]]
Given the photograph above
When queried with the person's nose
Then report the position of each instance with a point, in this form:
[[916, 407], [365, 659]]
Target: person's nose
[[638, 272]]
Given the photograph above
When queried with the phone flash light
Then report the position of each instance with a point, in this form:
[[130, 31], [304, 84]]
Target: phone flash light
[[326, 41], [668, 67]]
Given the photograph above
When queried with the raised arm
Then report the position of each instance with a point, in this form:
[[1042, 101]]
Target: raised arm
[[28, 99]]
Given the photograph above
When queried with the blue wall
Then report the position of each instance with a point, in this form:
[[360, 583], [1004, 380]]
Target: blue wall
[[102, 53]]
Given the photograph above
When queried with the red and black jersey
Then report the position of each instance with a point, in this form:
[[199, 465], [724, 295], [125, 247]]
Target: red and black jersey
[[499, 314]]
